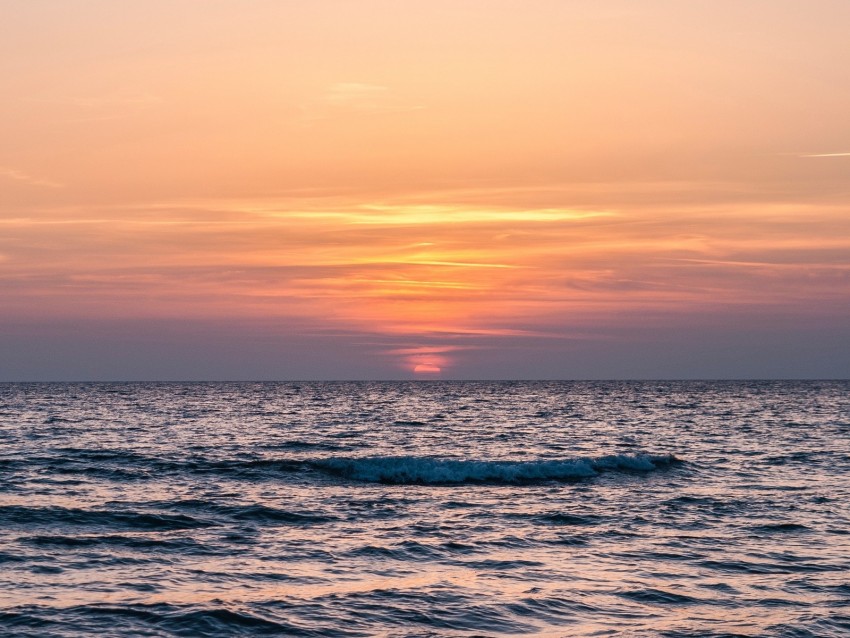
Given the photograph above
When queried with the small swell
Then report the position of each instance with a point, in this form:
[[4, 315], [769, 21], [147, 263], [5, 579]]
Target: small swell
[[252, 513], [305, 445], [781, 527], [58, 419], [153, 619], [271, 515], [561, 518], [22, 515], [112, 540], [658, 597], [11, 558], [411, 470]]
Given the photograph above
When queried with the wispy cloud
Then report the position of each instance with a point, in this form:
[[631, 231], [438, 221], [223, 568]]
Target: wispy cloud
[[456, 274], [367, 97], [430, 358], [26, 178], [121, 99], [826, 155], [356, 94], [356, 97], [108, 106]]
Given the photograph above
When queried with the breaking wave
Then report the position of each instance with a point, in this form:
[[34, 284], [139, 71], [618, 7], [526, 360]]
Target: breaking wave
[[115, 465], [404, 470]]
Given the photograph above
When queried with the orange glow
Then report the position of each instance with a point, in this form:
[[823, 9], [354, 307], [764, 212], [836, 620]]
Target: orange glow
[[444, 278], [425, 368], [397, 172]]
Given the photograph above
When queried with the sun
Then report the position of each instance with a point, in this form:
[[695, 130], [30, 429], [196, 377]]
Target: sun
[[426, 368]]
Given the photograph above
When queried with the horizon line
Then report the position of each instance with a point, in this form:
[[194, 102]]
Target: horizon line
[[528, 380]]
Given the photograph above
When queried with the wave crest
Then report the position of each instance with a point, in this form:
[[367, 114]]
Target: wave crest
[[413, 470]]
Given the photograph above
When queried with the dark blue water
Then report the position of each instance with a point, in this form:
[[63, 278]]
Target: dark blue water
[[425, 509]]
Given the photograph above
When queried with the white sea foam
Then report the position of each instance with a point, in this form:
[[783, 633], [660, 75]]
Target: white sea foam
[[433, 471]]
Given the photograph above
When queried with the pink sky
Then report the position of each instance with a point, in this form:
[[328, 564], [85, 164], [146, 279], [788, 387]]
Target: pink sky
[[444, 189]]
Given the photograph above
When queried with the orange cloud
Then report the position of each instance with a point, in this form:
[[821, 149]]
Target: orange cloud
[[424, 272]]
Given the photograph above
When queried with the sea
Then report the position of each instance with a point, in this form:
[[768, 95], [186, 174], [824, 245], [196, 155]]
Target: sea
[[425, 508]]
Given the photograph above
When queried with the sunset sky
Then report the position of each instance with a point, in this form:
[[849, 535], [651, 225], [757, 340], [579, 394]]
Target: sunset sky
[[376, 189]]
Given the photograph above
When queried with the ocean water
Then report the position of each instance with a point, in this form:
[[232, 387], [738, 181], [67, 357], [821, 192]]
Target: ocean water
[[425, 509]]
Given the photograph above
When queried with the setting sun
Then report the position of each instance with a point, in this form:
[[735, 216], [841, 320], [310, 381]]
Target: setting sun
[[425, 368]]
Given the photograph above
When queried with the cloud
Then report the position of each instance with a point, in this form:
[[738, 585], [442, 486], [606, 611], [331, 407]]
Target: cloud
[[367, 97], [428, 350], [357, 97], [121, 99], [826, 155], [427, 358], [458, 273], [109, 106], [356, 94], [20, 176]]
